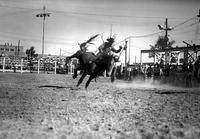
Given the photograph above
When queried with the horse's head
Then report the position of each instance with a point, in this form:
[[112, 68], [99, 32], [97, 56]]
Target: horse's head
[[83, 46]]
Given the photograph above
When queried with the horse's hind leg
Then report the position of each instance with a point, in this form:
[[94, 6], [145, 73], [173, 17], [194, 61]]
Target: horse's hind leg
[[81, 79], [113, 74]]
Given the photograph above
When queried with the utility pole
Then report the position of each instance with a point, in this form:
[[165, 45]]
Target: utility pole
[[199, 21], [60, 55], [166, 28], [43, 15], [166, 32], [129, 51], [126, 53], [110, 30], [126, 64], [60, 51], [18, 48], [135, 59], [199, 15]]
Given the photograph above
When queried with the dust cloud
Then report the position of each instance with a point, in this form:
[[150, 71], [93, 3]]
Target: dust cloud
[[150, 84]]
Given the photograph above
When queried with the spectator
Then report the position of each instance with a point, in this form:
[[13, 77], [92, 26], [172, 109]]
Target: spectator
[[149, 71], [196, 68]]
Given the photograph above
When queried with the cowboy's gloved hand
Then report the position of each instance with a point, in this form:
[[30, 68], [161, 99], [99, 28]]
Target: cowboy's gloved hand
[[125, 47], [116, 58]]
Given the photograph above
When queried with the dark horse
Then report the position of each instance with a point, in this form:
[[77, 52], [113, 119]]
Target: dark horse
[[85, 59], [92, 65], [95, 65], [103, 62]]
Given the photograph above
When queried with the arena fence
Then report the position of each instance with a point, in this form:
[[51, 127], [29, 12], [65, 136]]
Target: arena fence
[[36, 65]]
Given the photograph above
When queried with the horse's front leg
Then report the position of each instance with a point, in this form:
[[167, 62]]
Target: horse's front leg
[[89, 80], [75, 73], [82, 77]]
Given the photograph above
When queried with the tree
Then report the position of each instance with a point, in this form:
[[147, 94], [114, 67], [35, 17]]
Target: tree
[[160, 45], [31, 52]]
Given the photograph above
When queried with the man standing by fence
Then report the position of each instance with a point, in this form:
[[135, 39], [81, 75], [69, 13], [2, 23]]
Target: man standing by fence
[[196, 69]]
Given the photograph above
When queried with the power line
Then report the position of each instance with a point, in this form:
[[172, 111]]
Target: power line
[[184, 22], [15, 13], [22, 8], [152, 34], [147, 35], [81, 13], [110, 15], [141, 36], [103, 8], [126, 16], [34, 36], [38, 40], [182, 27], [94, 14], [196, 22], [181, 32]]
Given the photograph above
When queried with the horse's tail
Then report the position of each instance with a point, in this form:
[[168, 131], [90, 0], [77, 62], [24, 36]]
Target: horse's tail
[[92, 38]]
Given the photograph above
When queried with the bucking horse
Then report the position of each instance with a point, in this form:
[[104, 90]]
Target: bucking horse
[[93, 65]]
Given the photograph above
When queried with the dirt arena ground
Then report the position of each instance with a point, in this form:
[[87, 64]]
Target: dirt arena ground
[[48, 106]]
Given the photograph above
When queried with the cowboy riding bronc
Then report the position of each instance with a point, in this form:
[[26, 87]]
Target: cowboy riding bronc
[[107, 47]]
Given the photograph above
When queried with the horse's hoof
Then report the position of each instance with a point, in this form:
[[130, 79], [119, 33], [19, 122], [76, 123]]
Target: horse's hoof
[[74, 77], [112, 80], [77, 85]]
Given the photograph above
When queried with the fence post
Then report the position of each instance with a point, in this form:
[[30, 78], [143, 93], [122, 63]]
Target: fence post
[[55, 66], [21, 65], [71, 67], [4, 61], [38, 66]]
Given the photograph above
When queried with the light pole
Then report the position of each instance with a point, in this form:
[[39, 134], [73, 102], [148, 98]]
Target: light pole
[[43, 15]]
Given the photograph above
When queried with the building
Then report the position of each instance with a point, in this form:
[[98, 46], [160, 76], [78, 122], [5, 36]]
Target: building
[[10, 50]]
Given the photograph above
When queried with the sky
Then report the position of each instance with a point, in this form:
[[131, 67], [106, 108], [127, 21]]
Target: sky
[[75, 21]]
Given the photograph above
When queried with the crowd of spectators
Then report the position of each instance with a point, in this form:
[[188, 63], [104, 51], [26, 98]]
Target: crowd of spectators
[[186, 72]]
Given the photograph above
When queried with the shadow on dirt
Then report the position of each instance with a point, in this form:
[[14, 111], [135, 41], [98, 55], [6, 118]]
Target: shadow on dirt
[[59, 87], [52, 86], [171, 92]]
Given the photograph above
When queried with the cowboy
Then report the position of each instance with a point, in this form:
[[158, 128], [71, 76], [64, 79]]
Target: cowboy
[[107, 47]]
